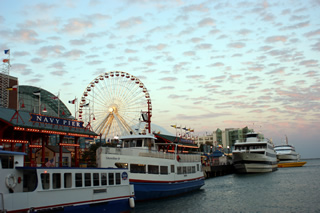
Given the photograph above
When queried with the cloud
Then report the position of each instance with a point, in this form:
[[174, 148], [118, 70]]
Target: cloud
[[130, 51], [206, 22], [177, 96], [277, 71], [167, 88], [37, 60], [79, 42], [204, 46], [26, 35], [160, 46], [273, 39], [21, 69], [58, 73], [77, 25], [57, 65], [129, 23], [74, 54], [189, 53], [309, 63], [50, 51], [195, 8], [312, 33], [237, 45], [195, 76], [168, 79]]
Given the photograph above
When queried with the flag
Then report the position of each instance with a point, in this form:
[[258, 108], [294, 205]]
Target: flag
[[7, 51], [13, 88], [178, 127], [5, 60], [86, 105], [72, 101], [37, 93], [55, 97], [185, 129], [174, 126]]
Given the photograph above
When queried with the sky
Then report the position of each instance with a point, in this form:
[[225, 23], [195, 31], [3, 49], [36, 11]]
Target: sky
[[206, 64]]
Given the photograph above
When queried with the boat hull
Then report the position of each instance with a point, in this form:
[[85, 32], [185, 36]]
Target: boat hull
[[148, 190], [291, 164], [254, 163]]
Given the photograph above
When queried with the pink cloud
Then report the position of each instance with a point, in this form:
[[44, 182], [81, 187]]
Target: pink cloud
[[273, 39]]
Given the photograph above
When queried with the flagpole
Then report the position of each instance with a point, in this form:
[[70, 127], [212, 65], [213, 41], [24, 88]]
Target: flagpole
[[58, 105], [39, 102], [75, 107]]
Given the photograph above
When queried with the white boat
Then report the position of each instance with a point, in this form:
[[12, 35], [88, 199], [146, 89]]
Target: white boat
[[255, 154], [45, 189], [158, 166], [287, 156]]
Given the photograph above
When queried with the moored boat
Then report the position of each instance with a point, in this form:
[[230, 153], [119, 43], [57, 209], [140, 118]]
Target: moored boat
[[159, 165], [61, 189], [287, 156], [254, 154]]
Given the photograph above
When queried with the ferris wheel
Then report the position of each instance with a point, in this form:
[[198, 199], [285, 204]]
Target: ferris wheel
[[113, 103]]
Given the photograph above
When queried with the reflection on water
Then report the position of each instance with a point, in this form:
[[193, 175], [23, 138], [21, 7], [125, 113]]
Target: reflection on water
[[286, 190]]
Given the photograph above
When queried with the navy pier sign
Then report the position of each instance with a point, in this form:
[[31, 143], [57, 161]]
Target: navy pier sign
[[55, 121]]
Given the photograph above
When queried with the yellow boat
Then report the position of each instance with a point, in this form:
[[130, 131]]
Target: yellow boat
[[291, 164], [287, 156]]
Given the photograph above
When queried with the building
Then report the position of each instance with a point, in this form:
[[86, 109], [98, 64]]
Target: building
[[32, 120], [223, 138]]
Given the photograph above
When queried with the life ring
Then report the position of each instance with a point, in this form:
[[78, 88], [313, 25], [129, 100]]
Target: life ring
[[11, 181]]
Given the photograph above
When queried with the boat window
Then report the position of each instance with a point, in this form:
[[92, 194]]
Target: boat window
[[30, 180], [179, 170], [184, 170], [56, 180], [78, 179], [193, 169], [96, 179], [121, 165], [45, 180], [189, 169], [163, 170], [118, 179], [111, 178], [103, 179], [172, 168], [87, 179], [198, 167], [139, 143], [7, 162], [153, 169], [67, 180], [137, 168]]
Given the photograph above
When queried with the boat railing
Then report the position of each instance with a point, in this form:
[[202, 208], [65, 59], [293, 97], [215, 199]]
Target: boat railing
[[152, 154], [2, 203]]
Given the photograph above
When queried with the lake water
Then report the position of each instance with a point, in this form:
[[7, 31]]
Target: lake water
[[294, 189]]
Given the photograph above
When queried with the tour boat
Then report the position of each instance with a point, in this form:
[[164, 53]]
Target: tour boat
[[287, 156], [159, 165], [254, 154], [61, 189]]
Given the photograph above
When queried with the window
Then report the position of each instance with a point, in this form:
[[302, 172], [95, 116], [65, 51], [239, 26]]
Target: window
[[118, 179], [56, 180], [7, 162], [67, 180], [153, 169], [87, 179], [137, 168], [111, 178], [184, 170], [198, 167], [45, 180], [193, 169], [96, 179], [78, 179], [179, 168], [121, 165], [139, 143], [188, 169], [163, 170], [103, 179], [172, 168]]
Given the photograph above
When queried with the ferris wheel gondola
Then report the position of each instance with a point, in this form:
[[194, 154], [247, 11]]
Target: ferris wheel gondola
[[112, 104]]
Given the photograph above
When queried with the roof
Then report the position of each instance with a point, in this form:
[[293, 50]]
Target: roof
[[5, 152], [178, 140], [23, 120], [56, 149]]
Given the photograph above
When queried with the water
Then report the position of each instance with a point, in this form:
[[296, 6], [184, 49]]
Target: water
[[294, 189]]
